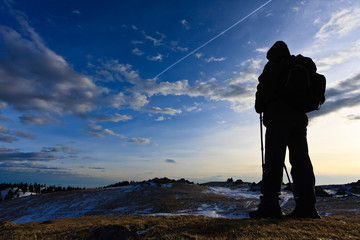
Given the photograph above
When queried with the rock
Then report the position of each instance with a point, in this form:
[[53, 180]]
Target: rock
[[342, 192], [112, 232], [239, 181], [355, 189], [320, 192], [255, 187]]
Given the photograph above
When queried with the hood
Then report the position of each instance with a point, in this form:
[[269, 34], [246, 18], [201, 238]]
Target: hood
[[278, 51]]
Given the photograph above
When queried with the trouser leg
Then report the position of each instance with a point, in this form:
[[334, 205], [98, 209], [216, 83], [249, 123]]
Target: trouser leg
[[272, 177], [302, 169], [275, 150]]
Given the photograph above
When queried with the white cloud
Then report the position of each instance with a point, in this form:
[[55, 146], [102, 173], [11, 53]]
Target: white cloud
[[151, 87], [241, 87], [155, 41], [7, 139], [137, 52], [98, 131], [24, 134], [185, 24], [160, 118], [353, 117], [13, 134], [238, 90], [340, 24], [140, 141], [120, 72], [137, 101], [295, 9], [112, 118], [76, 12], [317, 21], [5, 119], [339, 57], [199, 55], [58, 88], [182, 49], [4, 129], [262, 50], [193, 109], [158, 57], [110, 132], [136, 42], [118, 100], [43, 119], [3, 105], [46, 154], [213, 59], [344, 94], [254, 64], [168, 111], [35, 79], [95, 130]]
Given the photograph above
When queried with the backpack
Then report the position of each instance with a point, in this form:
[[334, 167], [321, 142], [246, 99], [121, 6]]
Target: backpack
[[304, 88]]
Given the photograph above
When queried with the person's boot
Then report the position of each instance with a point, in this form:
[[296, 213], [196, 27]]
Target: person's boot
[[268, 208], [304, 211]]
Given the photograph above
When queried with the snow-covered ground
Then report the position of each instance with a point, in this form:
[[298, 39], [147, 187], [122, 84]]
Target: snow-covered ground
[[19, 193], [166, 199]]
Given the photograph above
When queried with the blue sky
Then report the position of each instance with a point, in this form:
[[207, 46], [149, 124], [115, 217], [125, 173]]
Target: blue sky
[[97, 92]]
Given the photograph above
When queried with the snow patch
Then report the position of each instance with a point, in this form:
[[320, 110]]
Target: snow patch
[[243, 193]]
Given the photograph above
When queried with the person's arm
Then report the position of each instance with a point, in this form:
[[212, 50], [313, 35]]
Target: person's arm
[[266, 89]]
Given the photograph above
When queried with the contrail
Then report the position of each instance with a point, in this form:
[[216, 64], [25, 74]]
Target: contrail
[[212, 39]]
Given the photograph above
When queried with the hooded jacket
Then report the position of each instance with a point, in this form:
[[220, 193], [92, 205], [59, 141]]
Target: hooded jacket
[[269, 99]]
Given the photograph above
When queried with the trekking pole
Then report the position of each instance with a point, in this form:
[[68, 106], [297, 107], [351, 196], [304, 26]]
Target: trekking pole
[[288, 177], [262, 145]]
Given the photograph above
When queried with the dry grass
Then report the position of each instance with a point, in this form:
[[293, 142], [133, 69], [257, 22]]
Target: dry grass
[[182, 227]]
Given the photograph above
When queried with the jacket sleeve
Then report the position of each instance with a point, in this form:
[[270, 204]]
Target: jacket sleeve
[[267, 89]]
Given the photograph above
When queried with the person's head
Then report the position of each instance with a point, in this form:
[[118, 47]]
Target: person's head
[[278, 51]]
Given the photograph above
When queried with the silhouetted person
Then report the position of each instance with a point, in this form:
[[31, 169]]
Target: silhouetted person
[[285, 128]]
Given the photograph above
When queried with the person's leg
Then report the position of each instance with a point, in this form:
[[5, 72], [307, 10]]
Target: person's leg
[[275, 150], [302, 174], [302, 169]]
